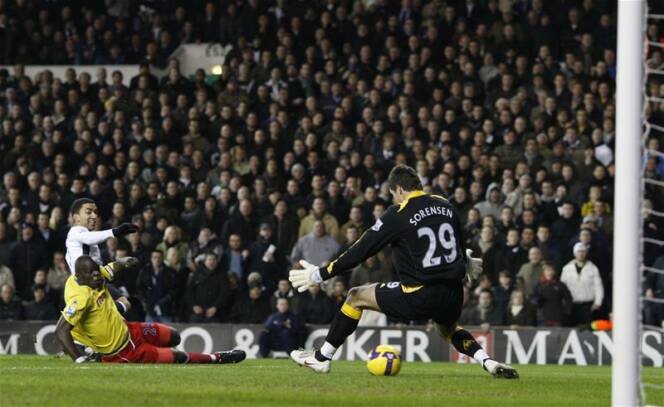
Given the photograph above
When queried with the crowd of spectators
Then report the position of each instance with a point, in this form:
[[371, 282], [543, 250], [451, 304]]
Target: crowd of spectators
[[504, 107]]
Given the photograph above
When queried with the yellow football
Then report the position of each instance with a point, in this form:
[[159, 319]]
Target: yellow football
[[384, 360]]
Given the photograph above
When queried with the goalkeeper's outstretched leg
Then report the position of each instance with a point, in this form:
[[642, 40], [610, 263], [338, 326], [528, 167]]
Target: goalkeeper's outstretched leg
[[344, 323], [464, 342], [441, 302]]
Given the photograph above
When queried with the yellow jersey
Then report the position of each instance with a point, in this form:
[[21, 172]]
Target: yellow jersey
[[96, 320]]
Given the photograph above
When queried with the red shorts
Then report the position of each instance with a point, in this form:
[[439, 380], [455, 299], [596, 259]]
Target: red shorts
[[148, 343]]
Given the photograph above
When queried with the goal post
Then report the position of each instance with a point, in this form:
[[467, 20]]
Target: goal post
[[625, 380]]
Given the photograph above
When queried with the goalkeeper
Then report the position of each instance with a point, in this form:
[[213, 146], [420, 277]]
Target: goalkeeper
[[430, 261], [91, 318]]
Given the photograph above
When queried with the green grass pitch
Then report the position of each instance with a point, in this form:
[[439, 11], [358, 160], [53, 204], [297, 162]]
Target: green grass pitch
[[35, 380]]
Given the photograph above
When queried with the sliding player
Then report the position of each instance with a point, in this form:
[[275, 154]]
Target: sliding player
[[425, 232], [91, 318]]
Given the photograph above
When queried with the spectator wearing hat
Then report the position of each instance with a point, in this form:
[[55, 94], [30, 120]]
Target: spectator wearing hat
[[584, 282], [493, 202], [598, 249]]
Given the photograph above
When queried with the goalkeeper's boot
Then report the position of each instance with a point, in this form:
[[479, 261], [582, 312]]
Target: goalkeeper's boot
[[231, 356], [307, 358], [500, 370]]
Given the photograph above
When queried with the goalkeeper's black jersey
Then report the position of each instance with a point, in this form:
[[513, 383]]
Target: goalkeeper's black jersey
[[425, 233]]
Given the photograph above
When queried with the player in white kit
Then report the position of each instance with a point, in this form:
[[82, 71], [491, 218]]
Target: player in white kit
[[82, 241]]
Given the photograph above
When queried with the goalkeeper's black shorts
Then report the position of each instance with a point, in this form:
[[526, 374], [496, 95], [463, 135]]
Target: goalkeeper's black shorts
[[441, 302]]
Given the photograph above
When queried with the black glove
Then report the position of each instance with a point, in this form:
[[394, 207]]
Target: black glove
[[124, 229], [126, 263]]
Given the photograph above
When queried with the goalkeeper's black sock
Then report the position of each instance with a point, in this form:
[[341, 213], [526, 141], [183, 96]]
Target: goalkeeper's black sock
[[465, 343], [343, 325]]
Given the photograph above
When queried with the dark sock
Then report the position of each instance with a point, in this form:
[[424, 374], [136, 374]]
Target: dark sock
[[199, 357], [465, 343], [319, 356], [344, 323]]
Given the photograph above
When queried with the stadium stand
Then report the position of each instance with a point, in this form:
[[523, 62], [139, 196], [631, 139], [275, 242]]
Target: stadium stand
[[504, 107]]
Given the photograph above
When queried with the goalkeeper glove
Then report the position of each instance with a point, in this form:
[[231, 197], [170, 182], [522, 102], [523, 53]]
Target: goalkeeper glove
[[304, 278], [124, 229], [473, 266]]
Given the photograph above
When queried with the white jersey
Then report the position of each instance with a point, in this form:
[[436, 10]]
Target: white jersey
[[80, 241]]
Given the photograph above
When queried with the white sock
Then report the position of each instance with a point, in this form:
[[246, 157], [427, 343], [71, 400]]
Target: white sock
[[328, 350], [213, 357], [480, 356]]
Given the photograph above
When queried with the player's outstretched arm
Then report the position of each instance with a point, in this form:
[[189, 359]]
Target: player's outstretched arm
[[372, 240], [121, 265], [63, 332], [95, 237]]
